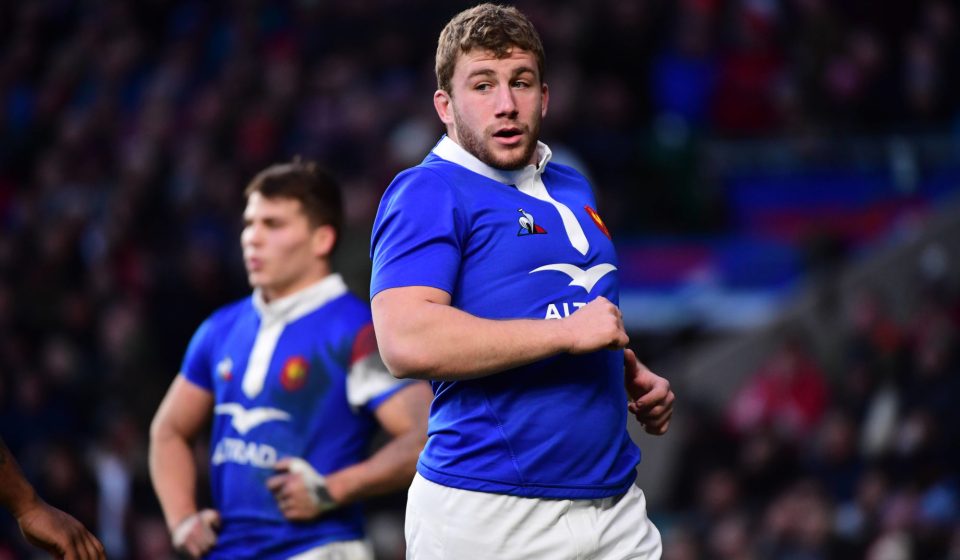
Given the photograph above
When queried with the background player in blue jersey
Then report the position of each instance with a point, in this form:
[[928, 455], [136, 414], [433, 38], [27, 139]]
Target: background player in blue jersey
[[296, 388], [43, 525], [495, 278]]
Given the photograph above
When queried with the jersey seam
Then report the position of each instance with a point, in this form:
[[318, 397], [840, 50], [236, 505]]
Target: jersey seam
[[506, 440], [468, 228]]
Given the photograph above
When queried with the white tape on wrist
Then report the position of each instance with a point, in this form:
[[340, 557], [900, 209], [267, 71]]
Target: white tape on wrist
[[183, 529], [315, 482]]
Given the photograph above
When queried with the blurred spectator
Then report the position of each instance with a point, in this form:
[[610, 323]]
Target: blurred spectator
[[787, 394], [798, 524], [731, 538], [680, 544], [751, 72], [832, 456], [857, 521], [684, 75]]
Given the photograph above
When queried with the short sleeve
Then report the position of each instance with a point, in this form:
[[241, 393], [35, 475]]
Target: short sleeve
[[196, 366], [417, 234], [369, 383]]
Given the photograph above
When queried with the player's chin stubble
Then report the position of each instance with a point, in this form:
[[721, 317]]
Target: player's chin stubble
[[473, 143]]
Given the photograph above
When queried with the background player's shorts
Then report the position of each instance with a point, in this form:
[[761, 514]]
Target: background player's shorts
[[342, 550], [444, 523]]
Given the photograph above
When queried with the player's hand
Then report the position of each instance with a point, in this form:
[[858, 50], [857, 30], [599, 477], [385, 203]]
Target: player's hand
[[651, 398], [596, 326], [58, 533], [300, 491], [196, 535]]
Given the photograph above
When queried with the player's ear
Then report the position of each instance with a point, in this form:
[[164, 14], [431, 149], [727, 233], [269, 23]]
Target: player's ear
[[324, 238], [443, 103]]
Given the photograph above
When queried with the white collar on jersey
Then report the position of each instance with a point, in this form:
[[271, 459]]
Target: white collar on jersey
[[454, 153], [527, 180], [292, 307]]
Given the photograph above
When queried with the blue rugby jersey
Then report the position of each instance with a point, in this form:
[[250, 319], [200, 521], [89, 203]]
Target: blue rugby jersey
[[523, 244], [301, 377]]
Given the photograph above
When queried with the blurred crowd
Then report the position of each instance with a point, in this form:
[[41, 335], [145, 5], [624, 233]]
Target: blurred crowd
[[128, 130], [846, 448]]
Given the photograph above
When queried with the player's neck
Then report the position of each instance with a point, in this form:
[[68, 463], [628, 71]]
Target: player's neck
[[273, 293]]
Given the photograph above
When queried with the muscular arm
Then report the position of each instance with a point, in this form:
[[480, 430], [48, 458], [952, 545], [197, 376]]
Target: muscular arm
[[173, 470], [403, 416], [421, 335], [43, 525]]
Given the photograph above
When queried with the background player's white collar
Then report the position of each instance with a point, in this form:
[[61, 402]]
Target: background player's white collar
[[292, 307], [274, 316], [527, 180]]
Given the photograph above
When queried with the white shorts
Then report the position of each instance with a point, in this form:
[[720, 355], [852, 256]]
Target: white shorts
[[340, 550], [445, 523]]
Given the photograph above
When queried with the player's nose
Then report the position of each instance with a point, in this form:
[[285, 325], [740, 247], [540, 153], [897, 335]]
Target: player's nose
[[251, 235], [506, 105]]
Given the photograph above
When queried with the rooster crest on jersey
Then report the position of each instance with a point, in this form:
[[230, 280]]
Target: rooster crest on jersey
[[294, 374], [527, 225], [596, 220]]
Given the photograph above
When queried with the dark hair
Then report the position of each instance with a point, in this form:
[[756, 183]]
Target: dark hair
[[305, 181], [490, 27]]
